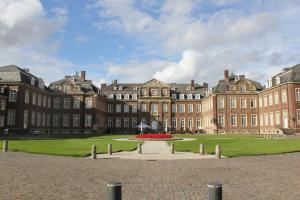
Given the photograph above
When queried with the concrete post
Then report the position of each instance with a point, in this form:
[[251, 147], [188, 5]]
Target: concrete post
[[94, 152], [201, 149], [214, 191], [172, 148], [218, 151], [139, 148], [5, 146], [114, 191], [109, 149]]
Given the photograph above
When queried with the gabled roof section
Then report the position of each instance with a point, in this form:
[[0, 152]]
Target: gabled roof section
[[155, 83]]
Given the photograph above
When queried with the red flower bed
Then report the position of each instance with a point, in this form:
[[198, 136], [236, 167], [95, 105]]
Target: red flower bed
[[155, 136]]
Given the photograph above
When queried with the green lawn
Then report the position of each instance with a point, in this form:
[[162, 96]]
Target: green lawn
[[78, 147], [238, 145]]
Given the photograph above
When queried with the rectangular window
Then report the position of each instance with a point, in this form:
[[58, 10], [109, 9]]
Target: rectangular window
[[154, 92], [88, 103], [198, 108], [76, 103], [76, 120], [67, 103], [27, 96], [38, 119], [243, 103], [271, 99], [232, 103], [57, 103], [144, 107], [174, 122], [298, 116], [25, 124], [56, 120], [126, 108], [126, 122], [134, 122], [260, 102], [88, 120], [271, 117], [221, 121], [118, 122], [2, 121], [12, 95], [174, 108], [44, 119], [297, 93], [134, 108], [266, 119], [285, 119], [253, 103], [277, 118], [40, 99], [49, 102], [181, 108], [182, 122], [154, 109], [34, 98], [261, 120], [221, 103], [276, 98], [165, 107], [66, 120], [253, 120], [33, 118], [233, 120], [11, 117], [3, 104], [283, 96], [110, 108], [190, 108], [265, 100], [198, 123], [48, 119], [190, 123], [110, 122], [118, 108], [244, 120]]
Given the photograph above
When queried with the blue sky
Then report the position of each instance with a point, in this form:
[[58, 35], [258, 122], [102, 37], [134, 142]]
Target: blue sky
[[136, 40]]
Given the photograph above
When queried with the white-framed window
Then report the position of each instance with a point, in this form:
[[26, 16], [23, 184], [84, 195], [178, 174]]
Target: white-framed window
[[111, 96], [40, 99], [76, 120], [88, 120], [11, 117], [174, 122], [220, 102], [174, 96], [198, 96], [174, 108], [133, 122], [118, 122], [266, 119], [38, 119], [12, 96], [275, 98], [118, 108], [126, 122], [233, 120], [44, 100], [283, 96], [3, 104], [165, 107], [56, 103], [154, 108], [244, 120], [182, 96], [198, 123], [66, 120], [66, 103], [55, 120], [261, 119], [66, 88], [298, 116], [88, 103], [232, 103], [277, 118], [134, 97], [277, 80], [253, 120], [297, 93], [190, 108], [181, 108], [253, 103], [221, 120], [110, 108], [34, 98], [265, 101], [189, 96], [49, 102], [126, 108], [2, 121], [198, 108], [76, 103], [127, 96], [271, 118], [270, 99], [182, 122], [110, 122], [144, 107], [134, 108], [242, 88], [260, 102], [285, 119], [27, 96], [243, 103], [33, 118], [190, 123]]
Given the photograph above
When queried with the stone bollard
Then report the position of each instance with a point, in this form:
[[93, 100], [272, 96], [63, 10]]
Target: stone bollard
[[201, 149], [172, 148], [94, 152], [139, 148], [218, 151], [214, 191], [5, 146], [109, 149], [114, 191]]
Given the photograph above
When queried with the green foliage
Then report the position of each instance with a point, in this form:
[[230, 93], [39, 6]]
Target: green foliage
[[239, 145]]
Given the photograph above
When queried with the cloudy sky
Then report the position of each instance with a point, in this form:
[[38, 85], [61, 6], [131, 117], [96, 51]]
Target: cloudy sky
[[136, 40]]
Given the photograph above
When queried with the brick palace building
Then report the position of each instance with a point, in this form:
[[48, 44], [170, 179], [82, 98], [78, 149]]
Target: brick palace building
[[74, 105]]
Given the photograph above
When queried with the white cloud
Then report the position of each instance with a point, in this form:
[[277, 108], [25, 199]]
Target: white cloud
[[81, 39]]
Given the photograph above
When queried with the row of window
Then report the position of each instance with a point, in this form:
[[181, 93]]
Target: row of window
[[271, 119], [76, 103], [134, 96], [273, 98], [233, 120], [233, 103]]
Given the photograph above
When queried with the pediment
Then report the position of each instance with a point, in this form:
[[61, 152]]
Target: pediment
[[155, 83]]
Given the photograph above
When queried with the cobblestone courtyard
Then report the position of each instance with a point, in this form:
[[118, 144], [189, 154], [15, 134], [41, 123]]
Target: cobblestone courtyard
[[29, 176]]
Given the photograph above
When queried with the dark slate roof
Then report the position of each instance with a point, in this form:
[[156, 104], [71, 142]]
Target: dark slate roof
[[86, 86], [289, 74]]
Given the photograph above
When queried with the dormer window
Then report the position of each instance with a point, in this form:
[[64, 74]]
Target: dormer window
[[270, 83], [197, 96], [32, 81], [277, 80], [154, 92], [181, 96], [188, 88], [135, 88], [126, 96], [232, 87], [111, 96], [120, 87], [119, 96], [66, 88], [242, 88], [165, 92], [190, 96], [144, 92], [173, 87], [174, 96], [57, 88], [134, 97]]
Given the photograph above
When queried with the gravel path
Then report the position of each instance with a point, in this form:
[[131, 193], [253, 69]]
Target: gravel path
[[30, 176]]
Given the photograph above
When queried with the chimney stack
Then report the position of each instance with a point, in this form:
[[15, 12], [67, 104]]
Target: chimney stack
[[82, 75], [226, 75], [103, 85], [115, 82], [193, 84], [205, 85]]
